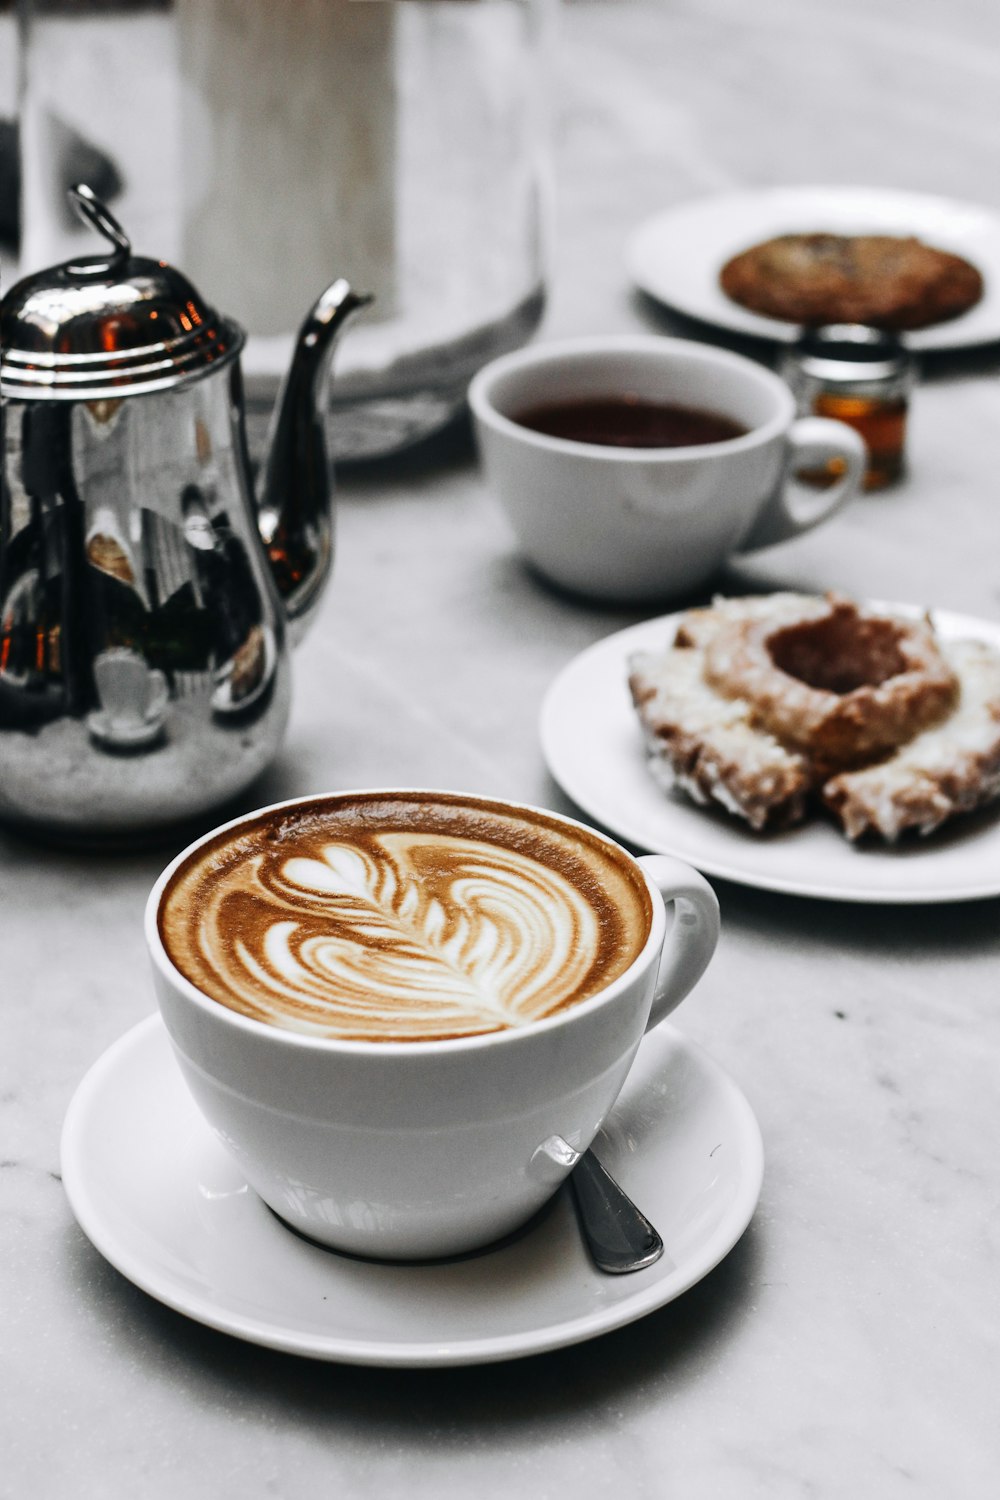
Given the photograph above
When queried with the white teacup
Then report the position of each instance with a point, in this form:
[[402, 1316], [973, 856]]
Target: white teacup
[[412, 1149], [631, 524]]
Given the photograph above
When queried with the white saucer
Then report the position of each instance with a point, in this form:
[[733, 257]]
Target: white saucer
[[593, 746], [162, 1200], [677, 255], [122, 733]]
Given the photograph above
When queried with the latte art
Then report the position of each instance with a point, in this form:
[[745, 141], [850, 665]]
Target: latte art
[[358, 942], [405, 933]]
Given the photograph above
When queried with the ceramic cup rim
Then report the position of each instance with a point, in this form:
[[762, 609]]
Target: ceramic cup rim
[[589, 352], [280, 1037]]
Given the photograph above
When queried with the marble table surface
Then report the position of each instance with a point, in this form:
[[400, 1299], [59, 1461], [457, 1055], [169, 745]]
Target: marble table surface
[[850, 1343]]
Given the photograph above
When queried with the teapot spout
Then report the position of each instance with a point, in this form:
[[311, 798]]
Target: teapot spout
[[295, 510]]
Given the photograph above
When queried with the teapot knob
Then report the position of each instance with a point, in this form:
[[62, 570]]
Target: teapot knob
[[92, 211]]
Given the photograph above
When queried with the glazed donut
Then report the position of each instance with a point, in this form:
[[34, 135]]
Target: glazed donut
[[769, 707], [843, 685], [706, 745], [951, 768]]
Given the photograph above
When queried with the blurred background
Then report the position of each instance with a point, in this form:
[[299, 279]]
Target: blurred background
[[476, 163]]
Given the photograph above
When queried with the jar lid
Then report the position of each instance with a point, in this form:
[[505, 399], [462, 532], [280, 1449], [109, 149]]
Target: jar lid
[[109, 325], [849, 352]]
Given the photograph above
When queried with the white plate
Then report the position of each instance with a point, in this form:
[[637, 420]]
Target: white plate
[[676, 257], [163, 1201], [593, 745]]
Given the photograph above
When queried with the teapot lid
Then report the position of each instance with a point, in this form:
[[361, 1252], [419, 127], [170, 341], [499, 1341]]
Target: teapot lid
[[104, 326]]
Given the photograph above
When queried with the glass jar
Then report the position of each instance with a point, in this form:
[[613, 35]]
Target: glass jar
[[266, 148], [858, 375]]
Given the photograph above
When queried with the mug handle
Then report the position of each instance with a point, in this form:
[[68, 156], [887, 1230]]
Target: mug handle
[[692, 939], [795, 507]]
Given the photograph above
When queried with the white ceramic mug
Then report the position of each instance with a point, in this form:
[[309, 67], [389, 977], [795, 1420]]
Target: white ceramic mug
[[404, 1150], [632, 524]]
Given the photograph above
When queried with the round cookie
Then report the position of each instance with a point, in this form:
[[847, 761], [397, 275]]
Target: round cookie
[[881, 280]]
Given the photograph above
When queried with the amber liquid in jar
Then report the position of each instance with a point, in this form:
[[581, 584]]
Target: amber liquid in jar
[[881, 422]]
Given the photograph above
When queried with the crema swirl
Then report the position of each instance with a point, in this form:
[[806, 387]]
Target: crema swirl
[[397, 918]]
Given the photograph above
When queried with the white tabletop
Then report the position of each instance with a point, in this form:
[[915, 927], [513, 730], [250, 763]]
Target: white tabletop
[[849, 1345]]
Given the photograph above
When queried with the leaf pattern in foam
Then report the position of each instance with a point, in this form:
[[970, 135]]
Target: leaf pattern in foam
[[423, 933]]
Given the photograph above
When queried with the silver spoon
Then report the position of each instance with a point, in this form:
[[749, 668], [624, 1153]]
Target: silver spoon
[[619, 1237]]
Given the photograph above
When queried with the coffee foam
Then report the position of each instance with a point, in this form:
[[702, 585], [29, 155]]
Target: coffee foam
[[404, 919]]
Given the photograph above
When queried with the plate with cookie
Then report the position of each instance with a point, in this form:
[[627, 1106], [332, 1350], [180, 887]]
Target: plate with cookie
[[767, 262], [794, 742]]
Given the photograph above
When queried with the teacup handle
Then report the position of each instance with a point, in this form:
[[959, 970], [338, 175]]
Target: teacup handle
[[691, 941], [795, 507]]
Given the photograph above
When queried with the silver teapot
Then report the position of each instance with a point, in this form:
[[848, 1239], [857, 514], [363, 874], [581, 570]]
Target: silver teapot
[[147, 598]]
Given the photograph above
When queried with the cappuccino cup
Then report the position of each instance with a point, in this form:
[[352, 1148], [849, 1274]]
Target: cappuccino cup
[[398, 1009], [631, 524]]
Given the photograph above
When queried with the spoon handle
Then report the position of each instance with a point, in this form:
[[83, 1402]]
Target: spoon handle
[[620, 1238]]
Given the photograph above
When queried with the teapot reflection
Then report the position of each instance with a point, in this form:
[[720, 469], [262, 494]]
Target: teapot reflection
[[147, 597], [133, 697]]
